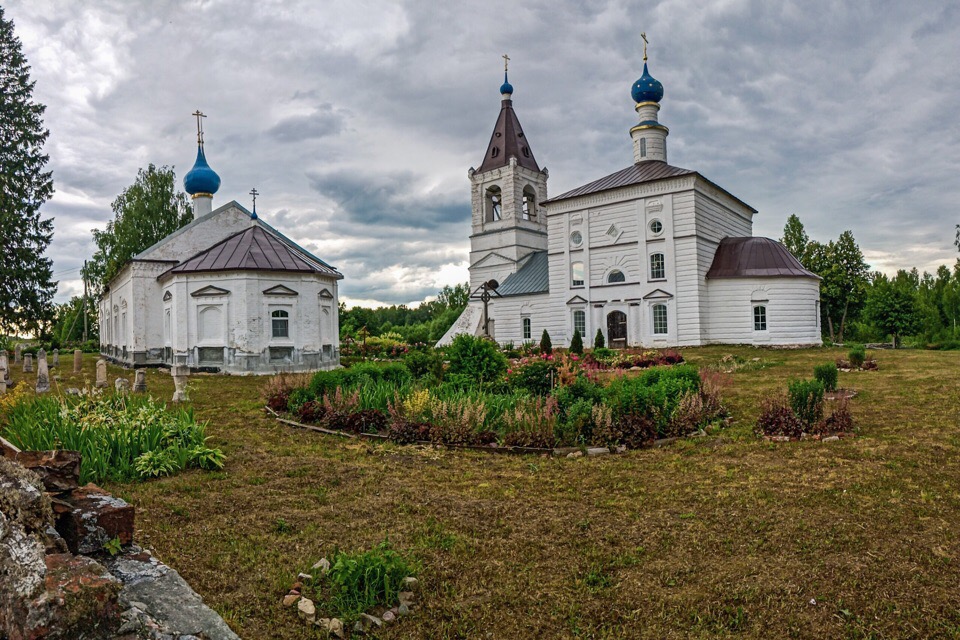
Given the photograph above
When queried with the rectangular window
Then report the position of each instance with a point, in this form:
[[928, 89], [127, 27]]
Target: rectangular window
[[643, 147], [659, 318], [580, 322], [658, 269], [210, 355], [280, 321], [527, 332], [576, 274], [760, 318]]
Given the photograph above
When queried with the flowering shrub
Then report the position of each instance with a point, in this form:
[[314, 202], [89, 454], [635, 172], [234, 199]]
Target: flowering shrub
[[534, 375], [456, 421], [531, 423], [778, 419]]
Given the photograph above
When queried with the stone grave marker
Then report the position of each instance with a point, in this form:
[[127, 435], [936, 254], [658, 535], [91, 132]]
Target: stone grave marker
[[17, 352], [27, 363], [43, 372], [56, 358], [180, 373], [77, 360], [122, 386], [101, 373], [140, 381]]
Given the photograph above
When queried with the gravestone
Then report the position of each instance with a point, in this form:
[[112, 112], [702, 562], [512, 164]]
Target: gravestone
[[101, 373], [17, 351], [122, 386], [56, 358], [180, 373], [27, 363], [3, 381], [77, 360], [5, 365], [140, 381], [43, 372]]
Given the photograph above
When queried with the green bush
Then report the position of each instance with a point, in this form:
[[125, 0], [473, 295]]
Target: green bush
[[120, 438], [651, 397], [535, 376], [576, 343], [827, 374], [477, 358], [545, 345], [598, 341], [857, 355], [424, 363], [324, 382], [806, 400], [575, 425], [298, 398]]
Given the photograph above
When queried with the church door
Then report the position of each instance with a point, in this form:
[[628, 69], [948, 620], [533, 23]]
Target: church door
[[617, 329]]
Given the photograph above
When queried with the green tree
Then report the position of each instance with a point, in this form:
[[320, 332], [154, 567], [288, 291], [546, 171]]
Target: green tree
[[26, 287], [68, 322], [843, 288], [546, 346], [576, 343], [146, 212], [598, 341], [796, 240], [892, 305]]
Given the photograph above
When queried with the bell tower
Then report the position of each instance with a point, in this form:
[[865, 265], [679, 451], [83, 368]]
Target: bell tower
[[509, 222]]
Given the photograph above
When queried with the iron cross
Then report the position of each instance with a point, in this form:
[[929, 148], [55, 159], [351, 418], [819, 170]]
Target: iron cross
[[644, 36], [198, 115], [254, 193], [506, 61]]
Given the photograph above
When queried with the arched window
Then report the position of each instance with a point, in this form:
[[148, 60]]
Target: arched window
[[527, 331], [210, 324], [494, 204], [580, 322], [616, 276], [529, 206], [280, 321], [760, 317], [658, 269], [576, 274], [659, 318]]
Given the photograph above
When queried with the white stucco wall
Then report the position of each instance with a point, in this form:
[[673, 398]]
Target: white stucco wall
[[792, 310]]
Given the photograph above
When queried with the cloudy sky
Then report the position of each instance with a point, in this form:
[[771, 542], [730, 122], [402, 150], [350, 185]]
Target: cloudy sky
[[357, 120]]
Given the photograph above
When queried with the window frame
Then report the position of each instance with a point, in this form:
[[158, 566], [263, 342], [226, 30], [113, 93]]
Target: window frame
[[581, 315], [493, 204], [660, 325], [528, 204], [655, 232], [760, 317], [574, 267], [613, 272], [526, 328], [661, 268], [275, 317]]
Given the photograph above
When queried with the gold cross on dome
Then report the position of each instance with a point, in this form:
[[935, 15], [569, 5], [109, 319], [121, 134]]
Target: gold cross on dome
[[644, 36], [506, 61], [198, 115]]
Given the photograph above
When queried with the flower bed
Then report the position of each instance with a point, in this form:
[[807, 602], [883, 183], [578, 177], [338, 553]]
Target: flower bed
[[481, 400]]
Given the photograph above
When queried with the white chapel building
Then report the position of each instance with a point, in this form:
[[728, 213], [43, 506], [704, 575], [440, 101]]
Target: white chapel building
[[227, 292], [652, 255]]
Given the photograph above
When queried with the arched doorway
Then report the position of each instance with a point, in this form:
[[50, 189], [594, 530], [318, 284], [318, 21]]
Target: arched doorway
[[617, 329]]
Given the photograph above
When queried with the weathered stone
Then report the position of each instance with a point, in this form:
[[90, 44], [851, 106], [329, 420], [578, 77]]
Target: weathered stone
[[28, 363], [306, 610], [368, 622], [597, 451], [77, 360], [831, 438], [58, 470], [389, 616], [5, 365], [410, 583], [403, 610], [17, 353], [96, 517], [180, 372], [323, 564], [72, 391], [140, 381], [290, 599], [101, 373], [56, 358], [406, 597], [43, 373], [575, 454], [122, 386], [305, 578], [335, 628], [3, 381]]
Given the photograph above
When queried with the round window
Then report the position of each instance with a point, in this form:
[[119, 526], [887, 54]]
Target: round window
[[576, 238], [656, 227]]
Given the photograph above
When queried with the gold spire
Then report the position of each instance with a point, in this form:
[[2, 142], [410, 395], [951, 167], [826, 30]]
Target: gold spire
[[644, 36], [198, 115]]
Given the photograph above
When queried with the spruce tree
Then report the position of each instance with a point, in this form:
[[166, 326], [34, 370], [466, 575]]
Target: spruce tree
[[576, 344], [545, 345], [598, 342], [26, 288]]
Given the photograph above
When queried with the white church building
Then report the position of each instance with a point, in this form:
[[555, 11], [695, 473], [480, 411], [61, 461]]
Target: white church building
[[227, 292], [652, 255]]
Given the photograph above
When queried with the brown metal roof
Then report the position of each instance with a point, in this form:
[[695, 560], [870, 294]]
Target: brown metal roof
[[253, 249], [646, 171], [755, 257], [508, 140]]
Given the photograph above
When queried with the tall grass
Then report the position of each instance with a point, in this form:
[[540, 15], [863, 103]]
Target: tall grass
[[120, 438]]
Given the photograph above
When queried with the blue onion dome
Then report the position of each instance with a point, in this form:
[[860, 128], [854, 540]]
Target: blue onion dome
[[647, 88], [201, 179], [506, 87]]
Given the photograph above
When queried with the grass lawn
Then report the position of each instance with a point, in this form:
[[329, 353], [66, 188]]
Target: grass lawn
[[719, 536]]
